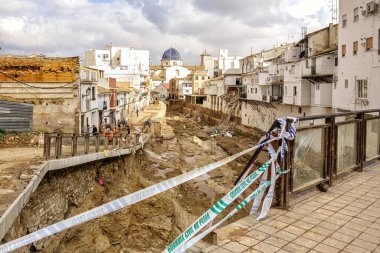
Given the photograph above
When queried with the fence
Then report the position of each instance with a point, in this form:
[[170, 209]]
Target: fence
[[16, 116], [330, 146], [65, 145]]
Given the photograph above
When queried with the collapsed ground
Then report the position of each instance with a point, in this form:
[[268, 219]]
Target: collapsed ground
[[149, 226]]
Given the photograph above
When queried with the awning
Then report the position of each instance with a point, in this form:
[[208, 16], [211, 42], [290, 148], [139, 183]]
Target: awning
[[319, 79]]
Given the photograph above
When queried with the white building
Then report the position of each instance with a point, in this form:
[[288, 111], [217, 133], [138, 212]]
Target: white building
[[214, 89], [126, 64], [89, 103], [217, 66], [358, 85]]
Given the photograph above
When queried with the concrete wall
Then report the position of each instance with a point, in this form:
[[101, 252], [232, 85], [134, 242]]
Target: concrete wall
[[262, 117]]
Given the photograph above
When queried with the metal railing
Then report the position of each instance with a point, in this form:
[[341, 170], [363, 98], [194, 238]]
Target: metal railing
[[58, 146], [330, 146]]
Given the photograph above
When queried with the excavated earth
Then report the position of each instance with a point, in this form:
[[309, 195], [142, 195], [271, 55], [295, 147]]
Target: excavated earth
[[150, 225]]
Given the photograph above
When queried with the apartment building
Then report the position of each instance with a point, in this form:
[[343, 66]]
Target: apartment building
[[358, 85], [125, 64]]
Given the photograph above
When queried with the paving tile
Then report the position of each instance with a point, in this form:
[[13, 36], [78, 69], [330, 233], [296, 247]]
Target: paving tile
[[355, 249], [305, 242], [348, 212], [258, 235], [209, 248], [325, 248], [311, 220], [194, 249], [372, 231], [362, 222], [252, 251], [286, 236], [341, 217], [324, 212], [294, 230], [286, 220], [349, 231], [322, 231], [303, 225], [295, 248], [235, 247], [314, 236], [222, 242], [301, 211], [245, 240], [221, 250], [275, 241], [335, 243], [329, 225], [267, 229], [342, 237], [264, 247], [332, 208], [277, 224], [355, 226], [293, 215], [370, 238], [353, 208]]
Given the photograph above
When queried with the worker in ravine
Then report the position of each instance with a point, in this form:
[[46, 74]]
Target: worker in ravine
[[94, 130]]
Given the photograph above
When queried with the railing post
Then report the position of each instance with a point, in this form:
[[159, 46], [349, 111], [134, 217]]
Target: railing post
[[86, 143], [97, 140], [330, 152], [47, 146], [57, 146], [360, 156], [75, 144]]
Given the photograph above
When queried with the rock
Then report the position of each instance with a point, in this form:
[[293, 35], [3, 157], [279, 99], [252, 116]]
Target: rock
[[26, 177]]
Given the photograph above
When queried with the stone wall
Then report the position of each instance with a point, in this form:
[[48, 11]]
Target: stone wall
[[50, 84], [58, 193]]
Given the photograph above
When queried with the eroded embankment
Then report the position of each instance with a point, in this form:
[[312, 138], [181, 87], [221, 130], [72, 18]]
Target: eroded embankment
[[149, 225]]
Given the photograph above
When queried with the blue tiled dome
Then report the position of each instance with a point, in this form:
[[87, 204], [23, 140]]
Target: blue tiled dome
[[171, 54]]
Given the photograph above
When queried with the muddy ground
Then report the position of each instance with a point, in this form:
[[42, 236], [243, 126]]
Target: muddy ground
[[149, 226]]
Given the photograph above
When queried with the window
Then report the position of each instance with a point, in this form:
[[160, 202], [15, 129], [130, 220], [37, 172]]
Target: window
[[93, 93], [203, 78], [196, 78], [356, 14], [105, 56], [286, 90], [307, 64], [355, 47], [294, 91], [344, 21], [344, 50], [251, 90], [255, 90], [177, 72], [292, 69], [336, 61], [369, 43], [362, 88], [317, 87], [346, 83]]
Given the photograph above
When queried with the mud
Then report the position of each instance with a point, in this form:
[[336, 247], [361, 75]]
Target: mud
[[149, 226]]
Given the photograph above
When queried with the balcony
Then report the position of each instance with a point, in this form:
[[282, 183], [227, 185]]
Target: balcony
[[91, 105], [103, 105], [243, 95], [275, 80]]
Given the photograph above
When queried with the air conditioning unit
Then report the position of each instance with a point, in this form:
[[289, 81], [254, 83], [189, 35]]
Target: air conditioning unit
[[371, 7]]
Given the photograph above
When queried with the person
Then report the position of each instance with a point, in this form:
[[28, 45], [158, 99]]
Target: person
[[94, 130], [137, 112]]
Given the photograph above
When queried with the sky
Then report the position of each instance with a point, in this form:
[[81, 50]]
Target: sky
[[70, 27]]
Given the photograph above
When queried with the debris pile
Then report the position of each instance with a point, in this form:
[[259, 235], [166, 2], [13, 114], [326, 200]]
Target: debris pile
[[16, 140]]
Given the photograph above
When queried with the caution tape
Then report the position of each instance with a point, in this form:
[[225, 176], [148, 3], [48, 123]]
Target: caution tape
[[184, 241], [121, 202], [217, 208]]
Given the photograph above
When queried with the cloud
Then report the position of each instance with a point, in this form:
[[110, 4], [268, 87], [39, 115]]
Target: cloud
[[70, 27]]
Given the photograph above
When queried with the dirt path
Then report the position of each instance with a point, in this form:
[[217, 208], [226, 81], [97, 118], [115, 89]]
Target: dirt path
[[16, 170]]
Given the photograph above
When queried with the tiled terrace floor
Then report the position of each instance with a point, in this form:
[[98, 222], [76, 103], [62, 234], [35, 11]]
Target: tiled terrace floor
[[344, 219]]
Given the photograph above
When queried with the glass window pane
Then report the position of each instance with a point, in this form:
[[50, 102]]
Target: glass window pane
[[308, 158], [346, 153], [373, 138]]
